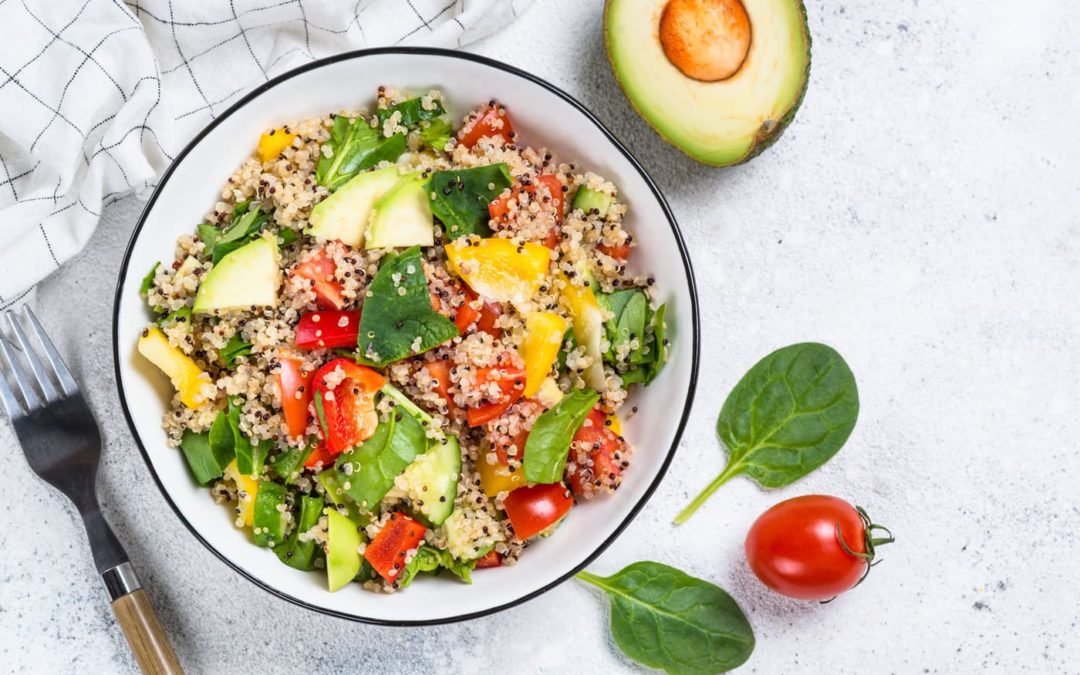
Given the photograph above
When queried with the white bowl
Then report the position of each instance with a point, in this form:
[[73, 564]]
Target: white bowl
[[543, 115]]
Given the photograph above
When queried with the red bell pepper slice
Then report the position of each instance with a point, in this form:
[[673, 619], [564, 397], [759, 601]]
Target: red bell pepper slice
[[386, 552], [320, 270], [328, 328], [319, 457], [511, 383], [295, 388], [348, 408], [535, 508], [490, 121], [484, 318]]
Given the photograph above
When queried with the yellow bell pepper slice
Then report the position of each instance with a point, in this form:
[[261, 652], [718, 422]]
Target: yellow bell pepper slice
[[496, 478], [588, 322], [186, 376], [247, 488], [272, 143], [615, 424], [498, 269], [543, 337]]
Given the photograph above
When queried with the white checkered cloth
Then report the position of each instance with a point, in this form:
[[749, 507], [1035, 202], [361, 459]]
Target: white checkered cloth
[[98, 96]]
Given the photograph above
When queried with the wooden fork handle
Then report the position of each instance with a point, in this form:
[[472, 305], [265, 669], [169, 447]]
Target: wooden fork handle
[[140, 624]]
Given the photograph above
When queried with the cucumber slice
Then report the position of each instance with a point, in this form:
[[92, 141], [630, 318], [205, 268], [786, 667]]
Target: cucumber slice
[[587, 199], [270, 522], [432, 481]]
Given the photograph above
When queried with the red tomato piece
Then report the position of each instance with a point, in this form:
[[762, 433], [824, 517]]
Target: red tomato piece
[[511, 383], [600, 444], [320, 270], [813, 547], [319, 458], [620, 252], [535, 508], [499, 208], [490, 121], [555, 188], [489, 559], [440, 372], [388, 549], [295, 388], [489, 314], [328, 328], [484, 318], [348, 406], [466, 314]]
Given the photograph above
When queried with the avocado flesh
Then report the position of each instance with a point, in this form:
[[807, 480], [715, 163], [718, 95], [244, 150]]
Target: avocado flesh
[[247, 277], [345, 215], [724, 122], [402, 217]]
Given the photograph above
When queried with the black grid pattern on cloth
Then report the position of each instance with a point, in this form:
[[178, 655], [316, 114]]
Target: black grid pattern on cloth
[[107, 91]]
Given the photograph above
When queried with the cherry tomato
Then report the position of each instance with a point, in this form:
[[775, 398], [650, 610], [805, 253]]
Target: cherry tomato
[[349, 406], [620, 252], [489, 559], [489, 121], [320, 270], [327, 329], [511, 384], [605, 451], [499, 209], [440, 372], [295, 388], [535, 508], [484, 318], [813, 547], [387, 550]]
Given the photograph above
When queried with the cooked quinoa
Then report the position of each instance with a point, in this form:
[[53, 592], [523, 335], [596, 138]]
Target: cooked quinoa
[[373, 320]]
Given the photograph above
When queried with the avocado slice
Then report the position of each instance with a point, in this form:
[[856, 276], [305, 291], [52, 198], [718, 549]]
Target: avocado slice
[[343, 557], [718, 79], [345, 214], [246, 277], [403, 216]]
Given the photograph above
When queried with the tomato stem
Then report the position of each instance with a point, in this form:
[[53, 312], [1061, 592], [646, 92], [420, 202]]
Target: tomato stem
[[729, 471], [870, 543]]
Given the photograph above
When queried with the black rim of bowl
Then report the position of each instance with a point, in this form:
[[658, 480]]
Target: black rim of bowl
[[491, 63]]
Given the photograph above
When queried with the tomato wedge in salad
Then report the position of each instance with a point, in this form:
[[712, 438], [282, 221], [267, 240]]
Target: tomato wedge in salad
[[604, 450], [485, 318], [536, 508], [499, 209], [348, 415], [510, 381], [491, 121], [295, 388], [325, 329], [320, 270], [386, 552]]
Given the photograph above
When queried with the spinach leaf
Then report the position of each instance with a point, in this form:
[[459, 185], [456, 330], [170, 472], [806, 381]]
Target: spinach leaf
[[249, 457], [430, 559], [200, 458], [234, 349], [222, 439], [412, 112], [437, 134], [148, 281], [659, 344], [239, 232], [666, 619], [296, 553], [786, 417], [286, 236], [288, 464], [333, 488], [398, 320], [179, 316], [355, 145], [320, 413], [462, 197], [270, 522], [380, 459], [209, 234], [548, 444]]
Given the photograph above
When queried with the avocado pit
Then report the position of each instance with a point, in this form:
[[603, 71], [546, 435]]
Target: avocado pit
[[706, 40]]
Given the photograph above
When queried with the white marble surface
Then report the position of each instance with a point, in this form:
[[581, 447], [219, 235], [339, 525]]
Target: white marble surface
[[922, 216]]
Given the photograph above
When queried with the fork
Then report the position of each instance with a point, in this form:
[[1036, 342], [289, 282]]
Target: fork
[[62, 445]]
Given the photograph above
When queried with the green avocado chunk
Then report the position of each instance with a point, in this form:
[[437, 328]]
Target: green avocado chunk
[[719, 81], [402, 216], [345, 215], [247, 277]]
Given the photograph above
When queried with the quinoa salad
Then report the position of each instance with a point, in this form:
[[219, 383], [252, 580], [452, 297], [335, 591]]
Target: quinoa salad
[[402, 343]]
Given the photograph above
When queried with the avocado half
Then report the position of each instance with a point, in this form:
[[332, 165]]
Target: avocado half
[[718, 79]]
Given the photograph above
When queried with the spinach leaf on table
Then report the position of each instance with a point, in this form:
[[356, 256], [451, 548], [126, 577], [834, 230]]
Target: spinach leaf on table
[[383, 457], [666, 619], [398, 320], [548, 443], [462, 197], [431, 560], [354, 146], [234, 349], [786, 417], [412, 112]]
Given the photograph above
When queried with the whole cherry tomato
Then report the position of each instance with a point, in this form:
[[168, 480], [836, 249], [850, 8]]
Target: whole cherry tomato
[[813, 547]]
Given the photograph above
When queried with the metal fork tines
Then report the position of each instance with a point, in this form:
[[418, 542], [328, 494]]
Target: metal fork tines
[[43, 379]]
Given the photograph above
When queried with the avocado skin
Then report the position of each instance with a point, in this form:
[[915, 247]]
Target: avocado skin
[[764, 139]]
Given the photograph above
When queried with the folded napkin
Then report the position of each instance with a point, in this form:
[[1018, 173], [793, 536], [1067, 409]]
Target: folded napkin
[[98, 96]]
